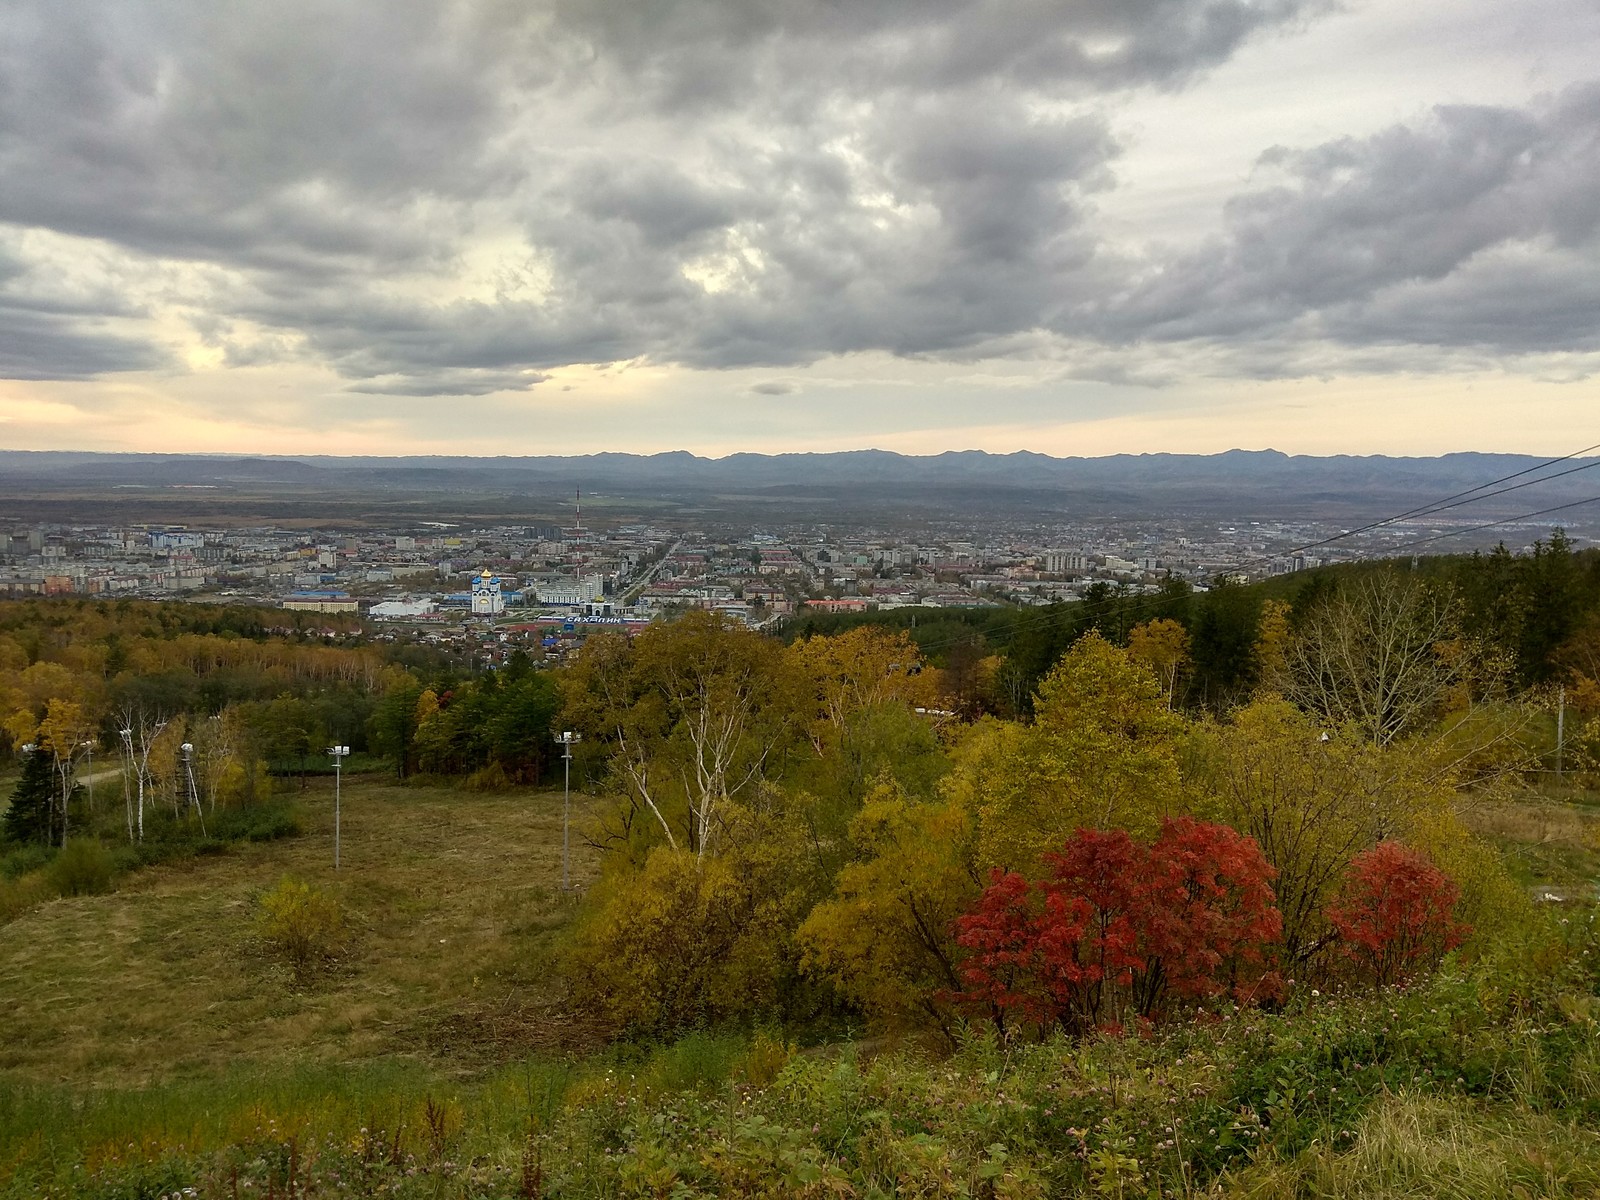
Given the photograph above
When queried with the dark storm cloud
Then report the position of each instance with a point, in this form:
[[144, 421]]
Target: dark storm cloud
[[1477, 228], [946, 223], [43, 345], [290, 135], [698, 53], [467, 382], [942, 224]]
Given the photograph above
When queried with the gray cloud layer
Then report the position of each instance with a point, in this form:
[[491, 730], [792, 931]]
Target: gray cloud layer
[[1476, 229], [456, 198]]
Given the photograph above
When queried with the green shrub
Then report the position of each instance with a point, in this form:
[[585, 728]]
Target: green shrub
[[492, 778], [168, 839], [700, 1059], [302, 924], [19, 860], [255, 823], [83, 868]]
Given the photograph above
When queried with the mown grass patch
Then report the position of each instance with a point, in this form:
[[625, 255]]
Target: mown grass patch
[[1547, 838], [451, 900]]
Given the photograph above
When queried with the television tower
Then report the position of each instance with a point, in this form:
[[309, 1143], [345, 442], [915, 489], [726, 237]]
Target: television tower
[[577, 496]]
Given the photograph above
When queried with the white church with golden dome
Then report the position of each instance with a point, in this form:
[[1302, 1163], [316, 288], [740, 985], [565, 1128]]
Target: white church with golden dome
[[487, 598]]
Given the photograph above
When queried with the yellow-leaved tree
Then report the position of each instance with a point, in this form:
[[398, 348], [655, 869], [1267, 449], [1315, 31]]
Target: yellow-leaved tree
[[1101, 754], [13, 658], [1163, 646], [686, 939], [66, 732], [1313, 800], [862, 668], [27, 694], [693, 715], [884, 940], [1273, 635], [1383, 655]]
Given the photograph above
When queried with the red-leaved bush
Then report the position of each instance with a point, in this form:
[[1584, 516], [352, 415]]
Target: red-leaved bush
[[1395, 915], [1119, 929], [1002, 933]]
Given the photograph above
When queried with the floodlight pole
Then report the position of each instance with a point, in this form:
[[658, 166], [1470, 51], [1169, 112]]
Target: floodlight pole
[[565, 740], [338, 753], [194, 793]]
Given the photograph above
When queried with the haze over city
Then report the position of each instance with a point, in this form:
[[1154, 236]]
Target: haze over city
[[480, 228]]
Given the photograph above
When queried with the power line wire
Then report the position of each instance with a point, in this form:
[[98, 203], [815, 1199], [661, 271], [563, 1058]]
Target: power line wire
[[1150, 603], [1458, 500], [1495, 482], [1494, 524]]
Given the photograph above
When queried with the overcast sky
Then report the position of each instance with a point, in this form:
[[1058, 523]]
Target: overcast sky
[[1071, 226]]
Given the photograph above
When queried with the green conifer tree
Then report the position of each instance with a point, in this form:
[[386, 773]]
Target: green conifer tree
[[32, 813]]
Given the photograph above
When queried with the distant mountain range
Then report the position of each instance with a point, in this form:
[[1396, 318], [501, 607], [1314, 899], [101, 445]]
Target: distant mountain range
[[1142, 481]]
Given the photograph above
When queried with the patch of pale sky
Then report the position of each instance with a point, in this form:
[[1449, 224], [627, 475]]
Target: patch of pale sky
[[296, 408], [1349, 74], [491, 266]]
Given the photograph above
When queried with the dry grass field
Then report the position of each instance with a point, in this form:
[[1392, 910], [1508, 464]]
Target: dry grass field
[[1550, 837], [450, 899]]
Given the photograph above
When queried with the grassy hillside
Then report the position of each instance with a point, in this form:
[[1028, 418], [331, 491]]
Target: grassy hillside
[[152, 1043], [450, 898]]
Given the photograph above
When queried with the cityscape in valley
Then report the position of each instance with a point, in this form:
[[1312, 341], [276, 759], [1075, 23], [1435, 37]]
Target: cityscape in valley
[[636, 556]]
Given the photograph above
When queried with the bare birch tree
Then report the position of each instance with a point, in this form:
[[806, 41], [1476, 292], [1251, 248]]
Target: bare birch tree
[[691, 713], [1382, 655], [139, 729]]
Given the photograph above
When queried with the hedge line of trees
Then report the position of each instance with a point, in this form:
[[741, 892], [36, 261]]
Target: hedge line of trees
[[88, 685], [91, 684], [1538, 612]]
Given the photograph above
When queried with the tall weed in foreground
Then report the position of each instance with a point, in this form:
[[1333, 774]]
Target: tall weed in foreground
[[1426, 1146], [18, 895]]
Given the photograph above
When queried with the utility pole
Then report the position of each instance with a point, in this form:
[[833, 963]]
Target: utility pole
[[338, 753], [565, 740], [89, 779], [29, 749], [1561, 726]]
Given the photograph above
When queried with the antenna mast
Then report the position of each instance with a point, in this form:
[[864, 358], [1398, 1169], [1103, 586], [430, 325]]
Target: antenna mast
[[578, 497]]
